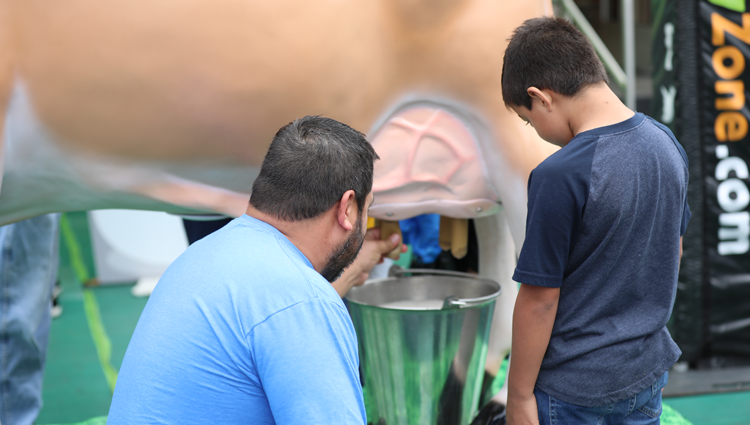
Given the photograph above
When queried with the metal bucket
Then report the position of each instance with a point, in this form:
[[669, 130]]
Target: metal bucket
[[422, 345]]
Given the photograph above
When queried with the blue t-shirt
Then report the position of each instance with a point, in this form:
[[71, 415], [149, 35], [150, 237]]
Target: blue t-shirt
[[241, 330], [605, 216]]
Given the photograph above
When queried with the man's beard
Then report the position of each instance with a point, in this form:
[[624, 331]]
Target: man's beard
[[344, 255]]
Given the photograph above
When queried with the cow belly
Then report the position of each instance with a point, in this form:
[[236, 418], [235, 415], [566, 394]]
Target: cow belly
[[42, 176]]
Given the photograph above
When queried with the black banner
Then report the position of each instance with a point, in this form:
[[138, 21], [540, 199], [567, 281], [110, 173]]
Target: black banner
[[675, 103], [724, 33], [665, 62]]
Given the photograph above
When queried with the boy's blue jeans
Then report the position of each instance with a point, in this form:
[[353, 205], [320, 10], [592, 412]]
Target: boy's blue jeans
[[641, 409], [28, 268]]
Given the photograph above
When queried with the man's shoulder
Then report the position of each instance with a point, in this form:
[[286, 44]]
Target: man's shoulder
[[246, 243], [277, 277], [274, 283], [252, 269], [310, 307], [317, 320]]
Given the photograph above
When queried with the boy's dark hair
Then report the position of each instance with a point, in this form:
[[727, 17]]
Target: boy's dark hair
[[311, 162], [548, 53]]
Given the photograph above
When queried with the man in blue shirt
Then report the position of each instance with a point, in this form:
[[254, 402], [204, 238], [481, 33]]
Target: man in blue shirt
[[245, 326], [598, 268]]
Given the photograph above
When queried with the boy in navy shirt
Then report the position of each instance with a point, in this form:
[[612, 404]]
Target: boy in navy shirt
[[598, 268]]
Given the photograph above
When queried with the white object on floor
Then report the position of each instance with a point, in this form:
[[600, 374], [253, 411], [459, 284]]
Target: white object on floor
[[144, 287], [56, 311], [132, 245]]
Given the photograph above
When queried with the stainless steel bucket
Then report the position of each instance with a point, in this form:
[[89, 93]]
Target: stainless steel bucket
[[422, 345]]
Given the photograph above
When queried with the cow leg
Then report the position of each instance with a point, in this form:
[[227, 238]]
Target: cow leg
[[497, 260], [7, 72]]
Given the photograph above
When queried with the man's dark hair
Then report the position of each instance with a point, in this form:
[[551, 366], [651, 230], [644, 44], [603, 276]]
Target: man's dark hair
[[312, 161], [548, 53]]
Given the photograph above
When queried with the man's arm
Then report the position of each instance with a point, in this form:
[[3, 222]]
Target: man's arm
[[533, 318]]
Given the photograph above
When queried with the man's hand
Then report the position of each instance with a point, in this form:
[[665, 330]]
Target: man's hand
[[373, 251], [522, 411]]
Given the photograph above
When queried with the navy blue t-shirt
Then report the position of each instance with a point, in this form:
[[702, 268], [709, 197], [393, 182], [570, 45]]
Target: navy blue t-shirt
[[605, 216]]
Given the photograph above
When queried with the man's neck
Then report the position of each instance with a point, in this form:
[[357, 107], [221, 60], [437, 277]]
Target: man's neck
[[596, 106], [309, 236]]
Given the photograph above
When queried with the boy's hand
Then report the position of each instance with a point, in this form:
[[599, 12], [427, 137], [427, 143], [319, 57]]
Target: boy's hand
[[522, 411]]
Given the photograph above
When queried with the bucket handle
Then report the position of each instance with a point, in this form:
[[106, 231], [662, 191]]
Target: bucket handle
[[452, 301], [398, 271]]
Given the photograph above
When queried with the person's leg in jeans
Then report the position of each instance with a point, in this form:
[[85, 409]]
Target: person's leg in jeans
[[28, 269], [641, 409], [647, 409], [556, 412]]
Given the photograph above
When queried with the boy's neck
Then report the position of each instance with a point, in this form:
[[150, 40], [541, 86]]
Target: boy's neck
[[596, 106]]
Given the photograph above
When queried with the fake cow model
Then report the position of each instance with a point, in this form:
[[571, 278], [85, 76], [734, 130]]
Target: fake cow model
[[171, 105]]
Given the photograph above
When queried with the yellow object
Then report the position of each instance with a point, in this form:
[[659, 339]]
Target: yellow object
[[460, 237], [387, 228]]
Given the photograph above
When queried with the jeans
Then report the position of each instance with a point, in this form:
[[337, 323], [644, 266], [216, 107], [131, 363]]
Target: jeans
[[641, 409], [28, 270]]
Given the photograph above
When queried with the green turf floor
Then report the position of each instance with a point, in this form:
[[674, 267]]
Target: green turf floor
[[714, 409], [76, 389], [75, 386]]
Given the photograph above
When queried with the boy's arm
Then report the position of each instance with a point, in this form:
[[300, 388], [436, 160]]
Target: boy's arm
[[533, 317], [680, 247]]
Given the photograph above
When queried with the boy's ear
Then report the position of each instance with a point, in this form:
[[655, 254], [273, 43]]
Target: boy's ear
[[540, 96]]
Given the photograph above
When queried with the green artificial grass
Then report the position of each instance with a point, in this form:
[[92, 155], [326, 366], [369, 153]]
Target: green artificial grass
[[74, 386], [714, 409], [669, 416], [101, 420], [88, 341]]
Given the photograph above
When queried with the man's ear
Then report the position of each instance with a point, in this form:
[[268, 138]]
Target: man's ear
[[542, 96], [347, 210]]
